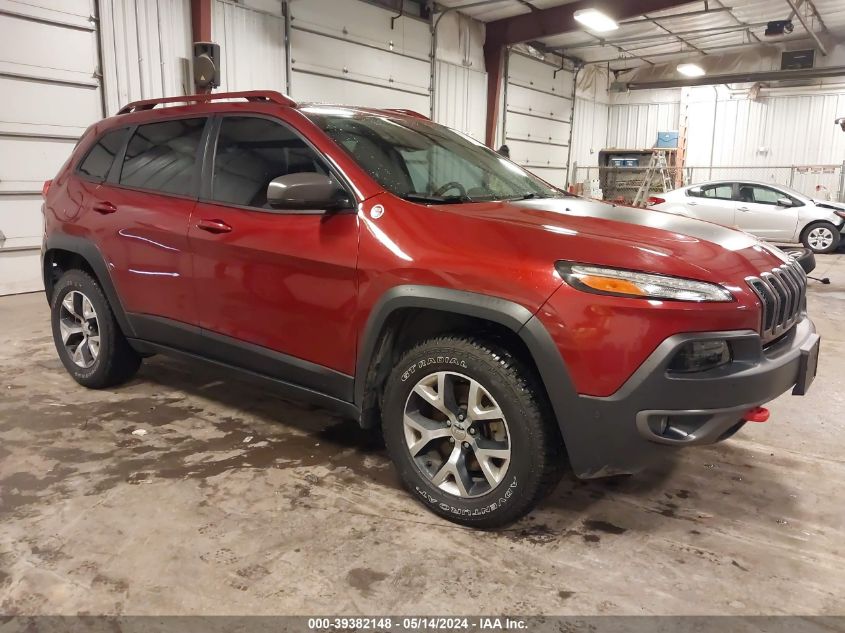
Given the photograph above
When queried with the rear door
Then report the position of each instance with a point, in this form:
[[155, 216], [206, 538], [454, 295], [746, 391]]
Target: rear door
[[274, 288], [759, 212], [713, 202], [140, 218]]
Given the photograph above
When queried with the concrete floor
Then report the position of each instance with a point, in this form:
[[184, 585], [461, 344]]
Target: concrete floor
[[238, 502]]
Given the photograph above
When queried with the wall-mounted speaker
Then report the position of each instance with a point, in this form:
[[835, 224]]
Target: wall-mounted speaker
[[206, 65]]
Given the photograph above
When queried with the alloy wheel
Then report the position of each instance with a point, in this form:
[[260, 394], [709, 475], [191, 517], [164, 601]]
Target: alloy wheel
[[820, 238], [457, 434], [80, 329]]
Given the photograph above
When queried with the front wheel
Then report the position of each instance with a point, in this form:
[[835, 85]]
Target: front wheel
[[821, 237], [470, 432]]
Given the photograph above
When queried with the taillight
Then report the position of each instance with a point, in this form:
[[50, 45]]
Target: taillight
[[652, 200], [841, 214], [46, 188]]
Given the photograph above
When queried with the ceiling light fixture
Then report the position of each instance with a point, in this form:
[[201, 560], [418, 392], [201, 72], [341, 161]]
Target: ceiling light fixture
[[595, 20], [691, 70]]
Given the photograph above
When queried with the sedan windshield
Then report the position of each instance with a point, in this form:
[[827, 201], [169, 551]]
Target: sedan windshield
[[421, 161]]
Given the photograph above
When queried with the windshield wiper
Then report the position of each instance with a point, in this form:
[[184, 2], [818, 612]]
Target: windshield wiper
[[432, 199]]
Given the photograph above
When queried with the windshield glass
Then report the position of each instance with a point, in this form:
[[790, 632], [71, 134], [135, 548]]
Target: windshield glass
[[422, 161]]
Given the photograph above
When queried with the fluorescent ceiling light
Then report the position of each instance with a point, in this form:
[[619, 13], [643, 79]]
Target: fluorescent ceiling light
[[691, 70], [595, 20]]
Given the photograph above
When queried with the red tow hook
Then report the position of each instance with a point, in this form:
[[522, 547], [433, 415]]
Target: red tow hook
[[757, 414]]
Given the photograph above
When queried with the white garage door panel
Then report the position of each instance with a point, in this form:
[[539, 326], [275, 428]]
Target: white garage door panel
[[74, 47], [539, 103], [26, 163], [362, 22], [556, 177], [530, 128], [526, 71], [331, 90], [20, 271], [21, 215], [50, 95], [45, 108], [538, 116], [319, 54]]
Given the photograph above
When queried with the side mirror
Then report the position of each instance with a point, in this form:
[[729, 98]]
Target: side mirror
[[695, 191], [784, 202], [306, 191]]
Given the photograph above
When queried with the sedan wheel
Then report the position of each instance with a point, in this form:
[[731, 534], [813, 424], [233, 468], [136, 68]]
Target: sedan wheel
[[820, 238]]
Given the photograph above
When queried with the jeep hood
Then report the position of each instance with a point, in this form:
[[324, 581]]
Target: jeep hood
[[643, 239]]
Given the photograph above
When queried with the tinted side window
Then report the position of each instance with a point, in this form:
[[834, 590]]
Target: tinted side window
[[253, 151], [719, 192], [99, 160], [162, 156]]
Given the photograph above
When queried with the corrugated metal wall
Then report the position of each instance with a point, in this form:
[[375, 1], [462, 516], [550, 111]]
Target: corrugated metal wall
[[589, 134], [252, 45], [635, 125], [460, 89], [146, 48], [775, 130]]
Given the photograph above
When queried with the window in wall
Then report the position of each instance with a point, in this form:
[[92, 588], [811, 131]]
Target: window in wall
[[251, 152], [163, 156], [99, 160]]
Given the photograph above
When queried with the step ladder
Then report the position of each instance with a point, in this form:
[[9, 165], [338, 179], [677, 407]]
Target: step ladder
[[657, 163]]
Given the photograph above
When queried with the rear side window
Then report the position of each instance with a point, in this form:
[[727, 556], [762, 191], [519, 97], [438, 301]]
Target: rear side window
[[251, 152], [98, 162], [163, 156], [716, 192]]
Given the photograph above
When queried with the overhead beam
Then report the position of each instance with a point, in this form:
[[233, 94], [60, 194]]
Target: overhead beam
[[741, 78], [560, 19], [544, 23]]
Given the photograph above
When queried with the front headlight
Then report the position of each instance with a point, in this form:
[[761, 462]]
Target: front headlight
[[618, 282]]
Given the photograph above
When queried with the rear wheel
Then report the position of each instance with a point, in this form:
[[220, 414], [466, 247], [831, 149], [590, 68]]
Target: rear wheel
[[88, 339], [821, 237], [470, 432]]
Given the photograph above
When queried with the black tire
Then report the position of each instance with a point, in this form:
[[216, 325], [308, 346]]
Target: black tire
[[804, 256], [115, 361], [536, 448], [807, 238]]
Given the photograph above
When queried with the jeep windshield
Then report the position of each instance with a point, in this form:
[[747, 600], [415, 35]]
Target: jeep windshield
[[424, 162]]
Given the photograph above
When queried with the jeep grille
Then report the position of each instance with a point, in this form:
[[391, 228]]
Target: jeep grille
[[782, 293]]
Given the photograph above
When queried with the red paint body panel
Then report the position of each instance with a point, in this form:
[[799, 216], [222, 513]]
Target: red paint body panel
[[305, 285], [286, 282]]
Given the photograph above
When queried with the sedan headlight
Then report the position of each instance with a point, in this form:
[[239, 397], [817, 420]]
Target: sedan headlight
[[618, 282]]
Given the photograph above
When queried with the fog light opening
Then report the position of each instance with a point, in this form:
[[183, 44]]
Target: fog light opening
[[696, 356]]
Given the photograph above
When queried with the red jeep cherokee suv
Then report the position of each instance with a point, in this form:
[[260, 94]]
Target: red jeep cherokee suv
[[405, 275]]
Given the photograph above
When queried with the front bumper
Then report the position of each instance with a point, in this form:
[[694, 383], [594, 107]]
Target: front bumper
[[655, 410]]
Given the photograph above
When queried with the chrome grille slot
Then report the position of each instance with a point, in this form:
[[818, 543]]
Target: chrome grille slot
[[782, 293]]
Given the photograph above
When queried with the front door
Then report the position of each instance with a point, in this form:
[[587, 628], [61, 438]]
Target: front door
[[275, 290], [760, 213]]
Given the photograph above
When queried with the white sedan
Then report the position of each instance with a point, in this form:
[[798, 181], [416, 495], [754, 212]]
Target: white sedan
[[771, 212]]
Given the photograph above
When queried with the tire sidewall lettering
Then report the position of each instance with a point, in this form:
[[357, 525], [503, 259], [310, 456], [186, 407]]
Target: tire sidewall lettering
[[433, 360]]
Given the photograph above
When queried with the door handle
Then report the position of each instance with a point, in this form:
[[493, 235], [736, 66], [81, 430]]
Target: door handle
[[214, 226], [743, 209], [104, 207]]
